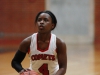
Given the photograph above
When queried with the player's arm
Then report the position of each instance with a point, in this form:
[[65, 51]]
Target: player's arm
[[62, 57], [20, 54]]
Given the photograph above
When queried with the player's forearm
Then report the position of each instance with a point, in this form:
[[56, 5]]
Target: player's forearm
[[17, 66], [16, 61], [61, 71]]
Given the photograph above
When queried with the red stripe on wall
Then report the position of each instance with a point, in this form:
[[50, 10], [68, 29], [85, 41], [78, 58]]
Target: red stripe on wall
[[10, 41]]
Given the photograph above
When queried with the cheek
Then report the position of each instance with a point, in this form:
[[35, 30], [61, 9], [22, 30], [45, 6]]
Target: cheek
[[50, 27], [37, 23]]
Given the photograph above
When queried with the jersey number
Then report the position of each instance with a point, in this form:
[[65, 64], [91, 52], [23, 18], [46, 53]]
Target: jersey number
[[44, 69]]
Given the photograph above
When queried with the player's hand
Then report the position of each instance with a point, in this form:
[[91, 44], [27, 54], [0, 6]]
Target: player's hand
[[24, 70], [28, 72]]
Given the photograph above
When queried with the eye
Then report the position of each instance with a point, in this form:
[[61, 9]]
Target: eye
[[45, 19], [39, 19]]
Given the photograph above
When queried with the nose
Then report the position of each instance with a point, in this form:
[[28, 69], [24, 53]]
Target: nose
[[41, 21]]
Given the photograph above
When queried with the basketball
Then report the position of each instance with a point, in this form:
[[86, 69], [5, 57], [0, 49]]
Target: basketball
[[29, 73]]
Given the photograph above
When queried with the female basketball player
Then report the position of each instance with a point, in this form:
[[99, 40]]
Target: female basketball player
[[47, 52]]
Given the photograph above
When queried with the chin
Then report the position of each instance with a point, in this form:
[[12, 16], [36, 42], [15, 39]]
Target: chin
[[41, 32]]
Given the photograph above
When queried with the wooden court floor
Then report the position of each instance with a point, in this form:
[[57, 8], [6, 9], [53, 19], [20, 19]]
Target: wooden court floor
[[82, 60]]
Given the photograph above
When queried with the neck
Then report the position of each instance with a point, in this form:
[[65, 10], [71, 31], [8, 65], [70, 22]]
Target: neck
[[43, 37]]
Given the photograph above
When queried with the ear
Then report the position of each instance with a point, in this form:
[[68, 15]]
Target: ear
[[52, 26]]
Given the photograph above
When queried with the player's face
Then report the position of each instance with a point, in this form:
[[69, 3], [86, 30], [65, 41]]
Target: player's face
[[44, 23]]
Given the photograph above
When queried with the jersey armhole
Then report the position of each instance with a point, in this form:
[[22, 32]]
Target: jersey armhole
[[28, 51]]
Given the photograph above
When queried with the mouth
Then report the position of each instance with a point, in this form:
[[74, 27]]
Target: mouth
[[41, 27]]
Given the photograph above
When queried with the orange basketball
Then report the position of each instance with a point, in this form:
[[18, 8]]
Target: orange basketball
[[29, 73]]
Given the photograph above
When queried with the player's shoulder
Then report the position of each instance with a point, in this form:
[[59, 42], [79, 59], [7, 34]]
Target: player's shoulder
[[61, 45], [28, 39], [60, 41], [25, 44]]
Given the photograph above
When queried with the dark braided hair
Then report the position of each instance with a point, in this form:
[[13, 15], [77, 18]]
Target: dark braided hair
[[54, 20]]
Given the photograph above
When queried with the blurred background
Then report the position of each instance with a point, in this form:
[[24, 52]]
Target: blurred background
[[78, 25], [78, 20]]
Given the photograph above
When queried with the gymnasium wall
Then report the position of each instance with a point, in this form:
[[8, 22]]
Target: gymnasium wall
[[97, 22], [75, 20], [17, 21]]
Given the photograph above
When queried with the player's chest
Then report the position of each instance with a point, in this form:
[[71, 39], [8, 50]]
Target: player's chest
[[43, 45]]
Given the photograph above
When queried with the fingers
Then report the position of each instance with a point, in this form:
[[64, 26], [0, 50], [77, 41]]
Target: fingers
[[27, 69], [24, 70]]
